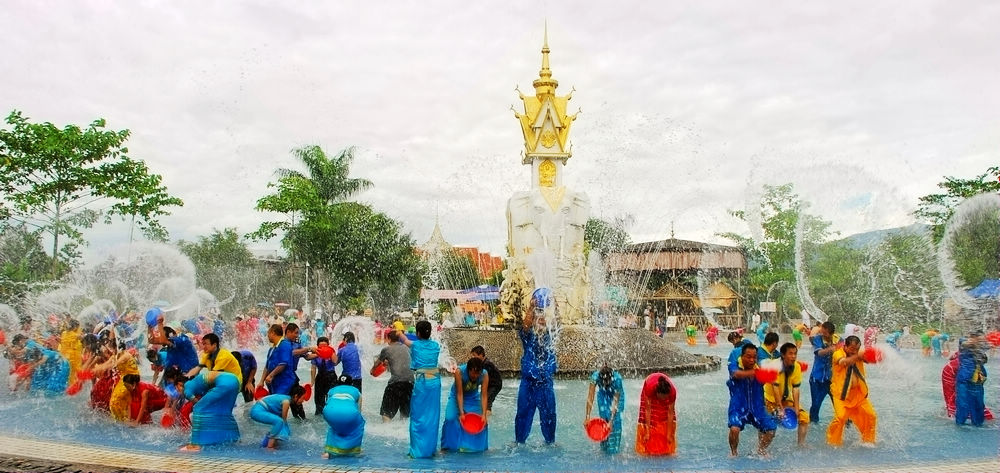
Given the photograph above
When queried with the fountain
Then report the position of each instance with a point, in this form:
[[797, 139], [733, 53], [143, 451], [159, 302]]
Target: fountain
[[546, 248]]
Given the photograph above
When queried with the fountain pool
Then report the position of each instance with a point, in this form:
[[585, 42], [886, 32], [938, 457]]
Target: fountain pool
[[905, 390]]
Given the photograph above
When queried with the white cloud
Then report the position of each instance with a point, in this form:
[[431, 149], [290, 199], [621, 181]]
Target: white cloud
[[684, 105]]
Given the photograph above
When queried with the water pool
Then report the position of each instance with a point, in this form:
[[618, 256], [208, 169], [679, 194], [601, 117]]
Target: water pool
[[905, 391]]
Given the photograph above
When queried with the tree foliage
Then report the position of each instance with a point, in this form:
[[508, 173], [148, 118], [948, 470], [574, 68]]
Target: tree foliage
[[365, 253], [771, 259], [64, 180], [974, 246], [607, 237], [23, 263], [938, 208]]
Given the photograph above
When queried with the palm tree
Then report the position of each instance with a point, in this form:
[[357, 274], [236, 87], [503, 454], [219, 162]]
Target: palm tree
[[329, 177]]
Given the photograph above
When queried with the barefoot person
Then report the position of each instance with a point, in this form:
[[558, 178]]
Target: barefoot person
[[746, 403], [425, 403], [849, 390], [273, 410], [784, 392], [342, 413], [656, 433], [468, 396], [608, 389], [212, 420], [538, 366]]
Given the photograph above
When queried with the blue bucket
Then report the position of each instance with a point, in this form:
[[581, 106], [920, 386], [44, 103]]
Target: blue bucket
[[542, 297], [790, 418], [152, 316]]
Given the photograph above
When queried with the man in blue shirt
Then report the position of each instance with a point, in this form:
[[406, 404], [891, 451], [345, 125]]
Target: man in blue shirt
[[822, 369], [746, 402], [350, 358], [248, 367], [279, 374], [180, 349], [538, 366]]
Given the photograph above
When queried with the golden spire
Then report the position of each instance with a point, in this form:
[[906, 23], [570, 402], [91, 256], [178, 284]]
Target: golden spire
[[545, 123], [545, 84]]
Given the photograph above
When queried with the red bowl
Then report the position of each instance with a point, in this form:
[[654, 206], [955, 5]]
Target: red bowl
[[260, 393], [872, 355], [84, 375], [167, 421], [598, 429], [378, 370], [473, 423], [803, 366], [308, 394], [766, 376], [325, 351]]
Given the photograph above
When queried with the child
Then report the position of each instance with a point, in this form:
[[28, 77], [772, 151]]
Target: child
[[273, 410]]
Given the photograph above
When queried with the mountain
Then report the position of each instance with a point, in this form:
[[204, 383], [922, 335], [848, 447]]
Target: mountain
[[872, 238]]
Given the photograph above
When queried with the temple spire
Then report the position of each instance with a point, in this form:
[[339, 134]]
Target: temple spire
[[545, 84]]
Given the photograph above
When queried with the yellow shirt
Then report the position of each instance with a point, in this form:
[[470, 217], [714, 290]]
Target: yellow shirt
[[785, 384], [857, 387], [224, 361]]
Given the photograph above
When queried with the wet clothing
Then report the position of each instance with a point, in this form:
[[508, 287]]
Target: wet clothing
[[849, 390], [789, 379], [538, 365], [100, 394], [604, 397], [212, 420], [223, 360], [737, 350], [248, 365], [51, 377], [937, 341], [350, 358], [746, 401], [346, 425], [657, 419], [969, 381], [278, 355], [326, 378], [495, 383], [268, 410], [948, 384], [893, 339], [762, 332], [396, 397], [425, 402], [819, 377], [764, 355], [71, 348], [181, 353], [156, 399], [453, 436]]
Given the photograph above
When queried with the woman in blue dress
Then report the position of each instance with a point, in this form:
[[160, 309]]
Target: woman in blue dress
[[347, 427], [212, 420], [607, 387], [51, 372], [273, 410], [425, 403], [468, 396]]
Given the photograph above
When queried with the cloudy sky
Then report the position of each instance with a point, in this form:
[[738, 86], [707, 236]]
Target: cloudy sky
[[687, 107]]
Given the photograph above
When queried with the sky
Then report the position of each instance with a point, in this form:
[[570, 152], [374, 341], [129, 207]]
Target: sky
[[687, 108]]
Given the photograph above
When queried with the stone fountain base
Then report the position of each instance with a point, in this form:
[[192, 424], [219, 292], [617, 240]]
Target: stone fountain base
[[582, 350]]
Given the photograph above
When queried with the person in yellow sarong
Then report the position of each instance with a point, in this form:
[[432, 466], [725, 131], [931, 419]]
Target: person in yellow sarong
[[849, 390], [71, 348], [121, 398]]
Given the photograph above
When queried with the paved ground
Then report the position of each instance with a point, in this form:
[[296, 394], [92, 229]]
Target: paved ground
[[40, 456]]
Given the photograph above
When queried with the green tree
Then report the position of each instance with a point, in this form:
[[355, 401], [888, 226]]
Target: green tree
[[23, 263], [607, 237], [772, 259], [61, 181], [364, 252], [937, 209], [974, 246]]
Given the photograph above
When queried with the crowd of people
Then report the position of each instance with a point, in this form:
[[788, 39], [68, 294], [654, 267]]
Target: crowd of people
[[198, 392]]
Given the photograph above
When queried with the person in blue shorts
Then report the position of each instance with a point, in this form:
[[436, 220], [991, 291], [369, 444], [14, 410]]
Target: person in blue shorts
[[746, 403]]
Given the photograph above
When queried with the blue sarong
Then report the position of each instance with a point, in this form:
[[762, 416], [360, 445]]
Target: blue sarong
[[605, 398], [425, 415], [347, 426], [51, 377], [212, 420], [453, 436], [268, 411]]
